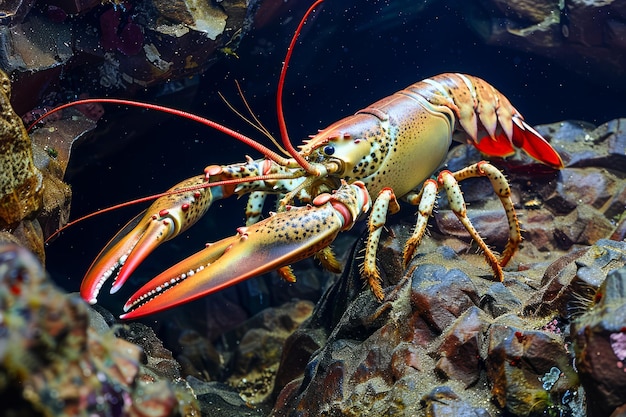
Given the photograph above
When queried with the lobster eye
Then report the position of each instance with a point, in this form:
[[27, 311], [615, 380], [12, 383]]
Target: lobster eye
[[329, 150]]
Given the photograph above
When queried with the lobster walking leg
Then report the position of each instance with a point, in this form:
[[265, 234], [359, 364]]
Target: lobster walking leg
[[503, 191], [426, 200], [449, 181], [385, 203]]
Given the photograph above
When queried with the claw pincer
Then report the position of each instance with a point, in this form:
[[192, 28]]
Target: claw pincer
[[282, 239], [180, 208], [164, 219]]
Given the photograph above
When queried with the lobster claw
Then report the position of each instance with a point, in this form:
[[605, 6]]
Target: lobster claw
[[165, 218], [279, 240]]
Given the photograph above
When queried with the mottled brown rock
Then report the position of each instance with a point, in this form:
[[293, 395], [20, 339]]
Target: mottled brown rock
[[586, 36], [444, 402], [21, 183], [570, 283], [442, 295], [260, 343], [589, 186], [52, 363], [158, 362], [197, 356], [28, 233], [37, 44], [217, 399], [499, 300], [490, 222], [539, 228], [582, 144], [178, 39], [15, 10]]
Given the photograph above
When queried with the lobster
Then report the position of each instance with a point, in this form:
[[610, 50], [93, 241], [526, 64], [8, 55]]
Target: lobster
[[360, 165]]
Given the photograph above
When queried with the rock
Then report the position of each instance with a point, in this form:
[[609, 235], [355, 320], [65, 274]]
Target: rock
[[599, 338], [584, 225], [499, 300], [118, 45], [583, 35], [15, 10], [529, 369], [35, 202], [217, 399], [569, 285], [21, 183], [590, 186], [52, 363], [158, 362], [581, 144], [441, 295], [459, 353], [490, 223], [197, 356], [260, 347], [443, 402]]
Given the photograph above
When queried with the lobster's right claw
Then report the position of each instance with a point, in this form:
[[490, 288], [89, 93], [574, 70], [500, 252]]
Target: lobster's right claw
[[165, 218], [279, 240]]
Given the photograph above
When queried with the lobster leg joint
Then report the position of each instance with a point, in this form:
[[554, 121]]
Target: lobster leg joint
[[503, 191], [426, 200], [385, 203]]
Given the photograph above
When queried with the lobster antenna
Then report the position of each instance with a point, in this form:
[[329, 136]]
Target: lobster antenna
[[165, 194], [270, 154], [279, 97], [236, 135]]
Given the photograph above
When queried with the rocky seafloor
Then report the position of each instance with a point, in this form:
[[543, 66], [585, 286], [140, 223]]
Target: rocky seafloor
[[445, 341], [550, 340]]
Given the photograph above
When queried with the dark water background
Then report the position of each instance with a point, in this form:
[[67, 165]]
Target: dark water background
[[350, 55]]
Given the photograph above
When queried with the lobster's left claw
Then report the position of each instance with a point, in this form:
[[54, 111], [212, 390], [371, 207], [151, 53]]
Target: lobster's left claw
[[279, 240], [164, 219]]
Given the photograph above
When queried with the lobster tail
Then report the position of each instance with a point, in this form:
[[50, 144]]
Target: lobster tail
[[524, 137], [487, 117], [530, 141]]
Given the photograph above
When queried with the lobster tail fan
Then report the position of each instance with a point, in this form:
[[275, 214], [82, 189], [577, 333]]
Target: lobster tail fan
[[531, 142], [522, 136], [500, 145]]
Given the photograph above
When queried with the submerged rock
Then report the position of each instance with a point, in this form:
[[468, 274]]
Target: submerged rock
[[585, 36], [599, 337], [52, 363], [21, 183]]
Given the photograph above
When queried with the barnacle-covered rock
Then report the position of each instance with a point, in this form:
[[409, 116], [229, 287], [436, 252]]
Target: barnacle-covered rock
[[53, 364]]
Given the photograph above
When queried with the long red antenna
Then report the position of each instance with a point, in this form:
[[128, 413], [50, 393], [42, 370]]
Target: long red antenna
[[236, 135], [270, 154], [279, 97], [164, 194]]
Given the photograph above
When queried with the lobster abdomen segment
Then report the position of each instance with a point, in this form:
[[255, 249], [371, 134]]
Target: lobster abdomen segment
[[490, 121]]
